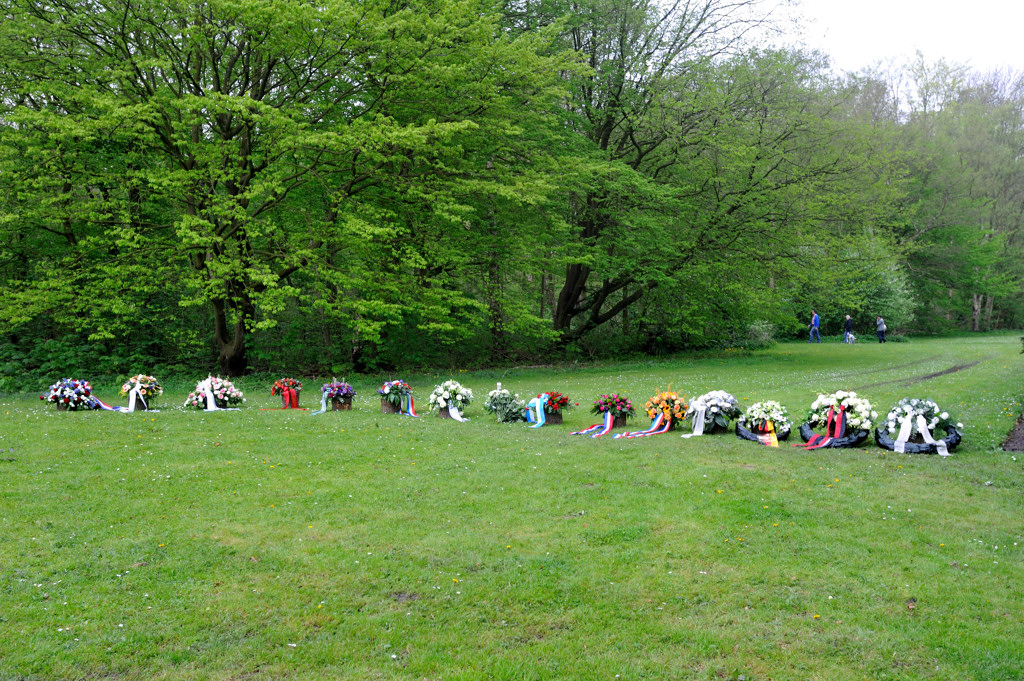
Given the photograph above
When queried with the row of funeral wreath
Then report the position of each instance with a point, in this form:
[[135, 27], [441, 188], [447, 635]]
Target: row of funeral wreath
[[837, 420]]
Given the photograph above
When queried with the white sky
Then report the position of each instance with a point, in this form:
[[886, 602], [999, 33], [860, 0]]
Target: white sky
[[984, 34]]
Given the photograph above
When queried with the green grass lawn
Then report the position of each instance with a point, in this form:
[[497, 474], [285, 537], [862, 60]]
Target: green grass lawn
[[352, 545]]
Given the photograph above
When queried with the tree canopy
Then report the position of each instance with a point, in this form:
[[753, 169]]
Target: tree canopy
[[364, 185]]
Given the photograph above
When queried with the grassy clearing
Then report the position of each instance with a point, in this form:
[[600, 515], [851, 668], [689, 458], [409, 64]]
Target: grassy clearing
[[270, 544]]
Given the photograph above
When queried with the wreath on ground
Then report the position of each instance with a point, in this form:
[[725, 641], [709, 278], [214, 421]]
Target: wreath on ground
[[282, 384], [394, 391], [557, 403], [917, 420], [224, 393], [506, 406], [448, 394], [338, 390], [148, 387], [846, 418], [752, 424], [718, 406], [619, 406], [71, 394], [670, 404]]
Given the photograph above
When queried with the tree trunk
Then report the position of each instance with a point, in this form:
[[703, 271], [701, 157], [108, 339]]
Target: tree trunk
[[989, 305], [495, 311], [976, 300], [230, 341]]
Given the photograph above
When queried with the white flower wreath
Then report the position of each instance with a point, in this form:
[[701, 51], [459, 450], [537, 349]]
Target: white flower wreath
[[912, 407], [761, 412], [506, 406], [859, 414], [450, 392], [719, 406]]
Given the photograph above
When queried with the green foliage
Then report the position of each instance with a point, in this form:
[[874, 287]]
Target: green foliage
[[339, 186]]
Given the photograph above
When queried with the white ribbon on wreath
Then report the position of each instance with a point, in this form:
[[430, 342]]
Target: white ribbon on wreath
[[211, 403], [907, 425], [136, 395], [698, 423], [454, 412]]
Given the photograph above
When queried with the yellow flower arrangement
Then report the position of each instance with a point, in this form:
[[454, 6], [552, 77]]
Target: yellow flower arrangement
[[671, 404]]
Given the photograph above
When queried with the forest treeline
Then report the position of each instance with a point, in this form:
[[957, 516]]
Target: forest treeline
[[337, 185]]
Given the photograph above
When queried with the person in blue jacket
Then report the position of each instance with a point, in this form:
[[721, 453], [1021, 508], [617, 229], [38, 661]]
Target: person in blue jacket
[[815, 323]]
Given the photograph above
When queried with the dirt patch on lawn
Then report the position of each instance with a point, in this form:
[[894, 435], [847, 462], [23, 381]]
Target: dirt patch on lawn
[[1015, 441]]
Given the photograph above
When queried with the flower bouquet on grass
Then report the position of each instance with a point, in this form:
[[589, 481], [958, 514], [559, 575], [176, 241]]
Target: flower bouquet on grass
[[764, 422], [711, 412], [450, 399], [615, 409], [846, 419], [395, 398], [141, 390], [672, 406], [288, 389], [340, 394], [910, 425], [665, 410], [506, 407], [223, 392], [556, 405], [70, 394]]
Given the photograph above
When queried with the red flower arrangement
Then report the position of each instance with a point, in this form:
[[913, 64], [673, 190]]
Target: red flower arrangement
[[557, 403], [281, 384]]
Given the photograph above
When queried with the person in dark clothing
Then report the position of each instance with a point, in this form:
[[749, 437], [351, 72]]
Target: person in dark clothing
[[815, 323], [848, 330], [880, 328]]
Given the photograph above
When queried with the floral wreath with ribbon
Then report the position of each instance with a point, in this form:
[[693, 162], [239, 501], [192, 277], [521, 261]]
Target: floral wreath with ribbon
[[72, 393], [845, 417], [213, 394], [506, 406], [710, 410], [910, 425], [764, 422], [664, 409], [454, 396]]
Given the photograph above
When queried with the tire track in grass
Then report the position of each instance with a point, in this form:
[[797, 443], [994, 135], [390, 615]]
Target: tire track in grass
[[927, 377], [870, 371]]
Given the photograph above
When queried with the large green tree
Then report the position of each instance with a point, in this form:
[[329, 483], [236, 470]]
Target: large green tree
[[219, 150]]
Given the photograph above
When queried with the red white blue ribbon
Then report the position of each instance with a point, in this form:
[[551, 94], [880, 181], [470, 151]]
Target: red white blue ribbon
[[536, 406], [409, 409], [97, 403], [134, 396], [598, 429], [659, 425]]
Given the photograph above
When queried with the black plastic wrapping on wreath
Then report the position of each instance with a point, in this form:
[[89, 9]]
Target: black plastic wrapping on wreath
[[745, 434], [853, 439], [885, 441]]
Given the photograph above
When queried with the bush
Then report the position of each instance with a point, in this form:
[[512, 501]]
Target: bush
[[760, 334]]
